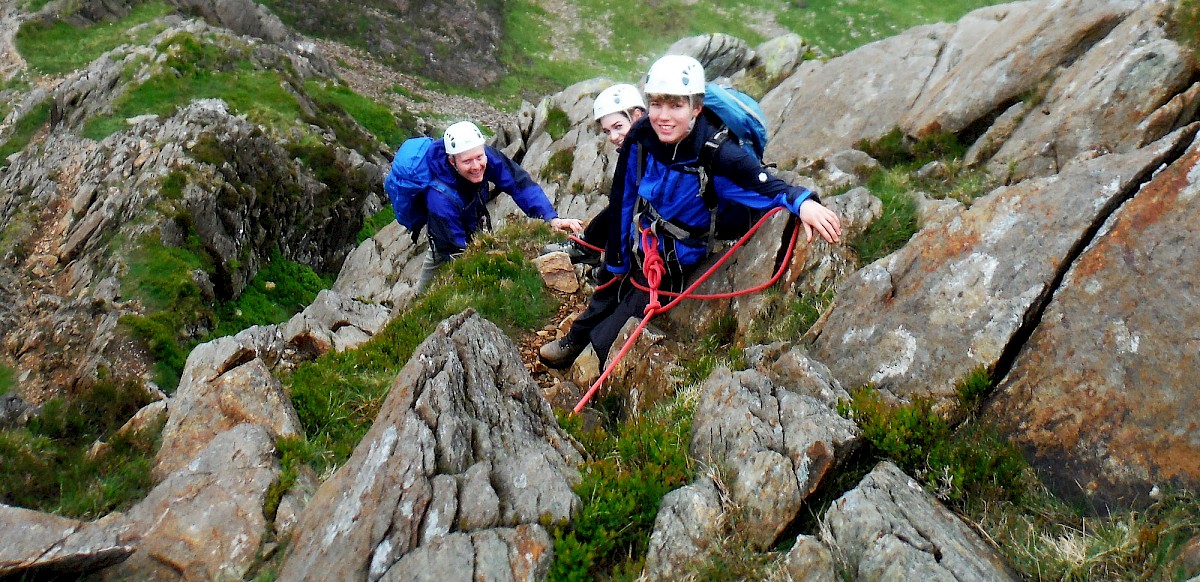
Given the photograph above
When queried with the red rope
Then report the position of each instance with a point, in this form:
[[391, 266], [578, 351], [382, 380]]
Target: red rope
[[653, 269], [585, 244]]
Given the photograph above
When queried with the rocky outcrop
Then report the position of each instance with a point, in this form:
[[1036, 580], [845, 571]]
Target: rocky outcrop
[[721, 54], [227, 382], [456, 43], [958, 78], [242, 17], [558, 143], [383, 269], [204, 521], [1095, 394], [82, 214], [955, 297], [465, 453], [334, 322], [778, 445], [822, 107], [40, 544], [1127, 88], [1002, 52], [772, 445], [889, 528], [690, 522]]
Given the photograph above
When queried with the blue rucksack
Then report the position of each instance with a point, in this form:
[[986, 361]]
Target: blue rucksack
[[741, 114], [407, 182], [744, 121]]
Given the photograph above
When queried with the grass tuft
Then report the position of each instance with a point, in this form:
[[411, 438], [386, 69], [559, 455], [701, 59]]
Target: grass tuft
[[24, 130], [8, 379], [280, 289], [1183, 25], [632, 466], [47, 465], [41, 44]]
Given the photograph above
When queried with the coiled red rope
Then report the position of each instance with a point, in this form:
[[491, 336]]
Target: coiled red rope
[[653, 268]]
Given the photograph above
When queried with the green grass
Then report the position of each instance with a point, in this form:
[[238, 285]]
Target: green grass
[[785, 317], [839, 26], [1184, 23], [895, 182], [338, 395], [47, 466], [281, 289], [42, 45], [897, 224], [8, 379], [35, 5], [160, 277], [258, 94], [1045, 539], [617, 36], [24, 130], [632, 465], [375, 223], [375, 118]]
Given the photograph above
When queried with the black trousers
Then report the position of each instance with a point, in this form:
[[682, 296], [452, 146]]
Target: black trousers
[[610, 308]]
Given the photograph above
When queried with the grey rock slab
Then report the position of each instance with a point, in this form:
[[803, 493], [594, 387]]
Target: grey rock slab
[[919, 320], [998, 53], [205, 520], [889, 528], [1102, 395], [777, 445], [521, 553], [826, 107], [225, 383], [1102, 101], [464, 407], [690, 524], [38, 544]]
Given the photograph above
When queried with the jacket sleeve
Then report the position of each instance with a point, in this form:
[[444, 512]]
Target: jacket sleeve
[[512, 179], [738, 177], [446, 232]]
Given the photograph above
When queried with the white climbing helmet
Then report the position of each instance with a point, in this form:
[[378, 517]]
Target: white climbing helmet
[[617, 99], [461, 137], [675, 75]]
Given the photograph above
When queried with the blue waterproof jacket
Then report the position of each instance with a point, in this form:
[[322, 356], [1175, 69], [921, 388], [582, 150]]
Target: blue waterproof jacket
[[670, 185], [454, 218]]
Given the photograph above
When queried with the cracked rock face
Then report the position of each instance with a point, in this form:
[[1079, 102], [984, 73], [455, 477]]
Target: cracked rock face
[[461, 466], [889, 528], [952, 300], [777, 443], [1102, 394]]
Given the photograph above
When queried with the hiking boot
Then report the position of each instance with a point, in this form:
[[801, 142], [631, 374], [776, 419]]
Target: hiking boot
[[559, 353], [577, 252]]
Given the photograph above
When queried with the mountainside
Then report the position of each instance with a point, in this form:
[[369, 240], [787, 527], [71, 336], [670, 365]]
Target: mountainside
[[214, 365]]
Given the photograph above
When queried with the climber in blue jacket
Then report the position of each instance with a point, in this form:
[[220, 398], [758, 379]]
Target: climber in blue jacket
[[657, 185], [463, 161]]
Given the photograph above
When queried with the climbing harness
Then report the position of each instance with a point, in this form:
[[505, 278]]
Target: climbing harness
[[653, 268]]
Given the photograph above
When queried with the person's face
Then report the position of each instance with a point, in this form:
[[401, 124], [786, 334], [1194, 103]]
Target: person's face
[[616, 125], [671, 117], [470, 164]]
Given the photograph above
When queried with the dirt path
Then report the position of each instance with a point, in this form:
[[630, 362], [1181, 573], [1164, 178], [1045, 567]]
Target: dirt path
[[379, 82]]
